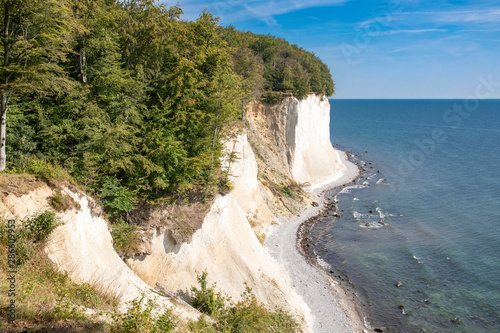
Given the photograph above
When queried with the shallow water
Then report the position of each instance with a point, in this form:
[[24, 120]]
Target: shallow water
[[429, 218]]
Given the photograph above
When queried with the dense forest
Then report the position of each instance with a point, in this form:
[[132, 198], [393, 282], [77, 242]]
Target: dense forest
[[132, 100]]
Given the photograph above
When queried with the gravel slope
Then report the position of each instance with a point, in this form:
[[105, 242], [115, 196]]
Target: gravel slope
[[331, 309]]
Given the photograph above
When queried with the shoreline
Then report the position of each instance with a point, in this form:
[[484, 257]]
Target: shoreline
[[333, 308]]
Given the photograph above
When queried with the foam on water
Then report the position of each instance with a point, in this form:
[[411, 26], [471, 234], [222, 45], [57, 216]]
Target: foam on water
[[349, 189]]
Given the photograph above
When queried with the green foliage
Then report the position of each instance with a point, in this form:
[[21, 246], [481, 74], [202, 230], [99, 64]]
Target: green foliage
[[116, 198], [41, 226], [273, 97], [125, 238], [206, 299], [248, 315], [140, 318], [134, 102], [27, 234], [43, 169], [285, 67]]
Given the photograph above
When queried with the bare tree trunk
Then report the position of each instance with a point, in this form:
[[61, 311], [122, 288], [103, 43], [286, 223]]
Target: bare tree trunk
[[216, 129], [82, 59], [5, 79], [3, 123]]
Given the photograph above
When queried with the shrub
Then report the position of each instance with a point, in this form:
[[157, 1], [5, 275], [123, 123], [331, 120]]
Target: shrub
[[139, 318], [41, 226], [206, 299], [116, 198], [249, 315], [273, 97], [125, 238]]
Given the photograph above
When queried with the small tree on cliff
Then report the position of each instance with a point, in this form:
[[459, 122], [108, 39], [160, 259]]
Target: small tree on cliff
[[35, 39]]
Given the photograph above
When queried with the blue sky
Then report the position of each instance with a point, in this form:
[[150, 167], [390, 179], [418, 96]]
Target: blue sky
[[383, 49]]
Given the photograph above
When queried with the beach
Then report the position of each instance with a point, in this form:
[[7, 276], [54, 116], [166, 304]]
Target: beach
[[332, 308]]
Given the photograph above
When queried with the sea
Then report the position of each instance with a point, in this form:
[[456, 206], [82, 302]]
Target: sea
[[418, 235]]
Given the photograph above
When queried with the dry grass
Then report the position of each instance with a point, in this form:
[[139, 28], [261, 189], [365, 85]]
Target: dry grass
[[47, 300], [254, 224], [62, 202], [18, 184]]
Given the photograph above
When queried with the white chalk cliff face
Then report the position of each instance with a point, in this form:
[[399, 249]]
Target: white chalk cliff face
[[311, 155], [225, 246], [83, 247], [297, 133], [247, 190]]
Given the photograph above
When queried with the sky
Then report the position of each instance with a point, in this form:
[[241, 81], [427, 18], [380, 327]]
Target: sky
[[382, 49]]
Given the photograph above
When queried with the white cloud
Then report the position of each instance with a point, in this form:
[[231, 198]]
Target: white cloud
[[232, 11], [491, 15], [410, 31]]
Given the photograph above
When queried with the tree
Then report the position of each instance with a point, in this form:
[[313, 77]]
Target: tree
[[35, 39]]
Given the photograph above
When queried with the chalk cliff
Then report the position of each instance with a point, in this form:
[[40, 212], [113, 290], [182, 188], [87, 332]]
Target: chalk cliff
[[293, 140], [298, 137], [284, 143], [82, 246]]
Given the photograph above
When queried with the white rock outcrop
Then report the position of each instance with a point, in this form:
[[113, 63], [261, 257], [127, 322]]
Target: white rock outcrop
[[247, 190], [312, 157], [82, 247], [298, 136], [225, 246]]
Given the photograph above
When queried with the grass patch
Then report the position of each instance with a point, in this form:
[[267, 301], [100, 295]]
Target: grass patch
[[62, 202], [46, 300], [44, 170]]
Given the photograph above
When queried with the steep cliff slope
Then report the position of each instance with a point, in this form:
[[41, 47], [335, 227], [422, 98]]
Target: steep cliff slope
[[82, 247], [293, 138], [225, 246], [293, 145]]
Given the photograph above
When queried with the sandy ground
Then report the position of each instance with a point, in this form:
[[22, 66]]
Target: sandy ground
[[332, 309]]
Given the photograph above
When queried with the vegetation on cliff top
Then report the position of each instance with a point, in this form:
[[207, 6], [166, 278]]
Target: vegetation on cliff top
[[132, 100]]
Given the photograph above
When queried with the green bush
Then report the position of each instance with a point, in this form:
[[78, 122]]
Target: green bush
[[116, 198], [140, 318], [273, 97], [61, 202], [206, 300], [41, 226], [248, 315]]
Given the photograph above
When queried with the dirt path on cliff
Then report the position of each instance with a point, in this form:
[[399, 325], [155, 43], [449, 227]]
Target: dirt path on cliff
[[331, 308]]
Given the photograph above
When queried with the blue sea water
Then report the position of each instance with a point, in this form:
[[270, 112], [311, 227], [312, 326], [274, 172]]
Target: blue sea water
[[428, 214]]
